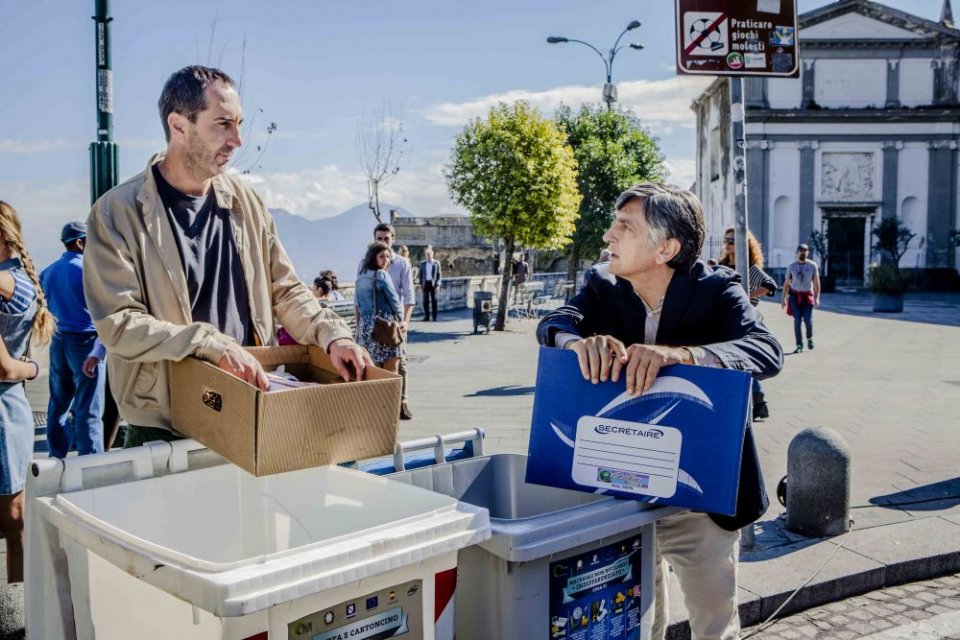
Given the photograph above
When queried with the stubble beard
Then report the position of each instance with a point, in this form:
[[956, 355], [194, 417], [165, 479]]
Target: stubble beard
[[201, 163]]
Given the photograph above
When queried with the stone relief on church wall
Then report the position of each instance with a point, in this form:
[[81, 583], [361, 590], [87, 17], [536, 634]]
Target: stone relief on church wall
[[847, 176]]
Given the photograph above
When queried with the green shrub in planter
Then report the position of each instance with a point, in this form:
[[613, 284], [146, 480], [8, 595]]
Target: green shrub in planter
[[887, 279]]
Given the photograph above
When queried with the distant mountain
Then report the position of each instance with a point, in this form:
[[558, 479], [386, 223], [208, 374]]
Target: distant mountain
[[336, 243]]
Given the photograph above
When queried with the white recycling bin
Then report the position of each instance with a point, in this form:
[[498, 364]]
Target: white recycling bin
[[318, 554]]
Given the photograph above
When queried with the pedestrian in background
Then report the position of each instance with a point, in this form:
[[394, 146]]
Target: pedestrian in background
[[323, 289], [760, 284], [402, 277], [331, 277], [24, 317], [376, 297], [801, 293], [430, 275], [111, 414], [71, 390]]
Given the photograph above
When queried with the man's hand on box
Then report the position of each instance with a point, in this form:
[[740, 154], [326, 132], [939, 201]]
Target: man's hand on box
[[644, 362], [599, 356], [604, 357], [349, 357], [237, 361]]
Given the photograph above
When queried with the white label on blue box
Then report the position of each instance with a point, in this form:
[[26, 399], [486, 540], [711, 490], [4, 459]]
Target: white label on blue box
[[632, 457]]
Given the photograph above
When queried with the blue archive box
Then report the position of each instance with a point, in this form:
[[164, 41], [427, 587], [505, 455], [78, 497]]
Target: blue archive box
[[677, 444]]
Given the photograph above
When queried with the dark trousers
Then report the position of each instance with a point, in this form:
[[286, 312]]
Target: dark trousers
[[429, 300], [801, 313], [71, 391]]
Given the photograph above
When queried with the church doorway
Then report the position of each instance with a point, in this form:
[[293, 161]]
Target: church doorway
[[847, 247]]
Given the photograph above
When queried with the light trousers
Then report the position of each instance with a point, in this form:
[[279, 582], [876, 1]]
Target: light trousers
[[704, 559]]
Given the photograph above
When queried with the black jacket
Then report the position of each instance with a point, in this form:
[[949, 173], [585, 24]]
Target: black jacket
[[705, 307]]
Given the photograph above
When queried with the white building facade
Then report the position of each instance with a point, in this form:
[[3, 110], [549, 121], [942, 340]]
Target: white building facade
[[871, 129]]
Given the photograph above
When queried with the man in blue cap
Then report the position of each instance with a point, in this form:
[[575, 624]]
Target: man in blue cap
[[71, 390]]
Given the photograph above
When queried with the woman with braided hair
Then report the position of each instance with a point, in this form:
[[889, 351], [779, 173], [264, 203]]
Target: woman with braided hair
[[24, 317]]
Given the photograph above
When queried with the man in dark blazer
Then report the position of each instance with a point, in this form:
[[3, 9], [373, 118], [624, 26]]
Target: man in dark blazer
[[654, 305], [430, 276]]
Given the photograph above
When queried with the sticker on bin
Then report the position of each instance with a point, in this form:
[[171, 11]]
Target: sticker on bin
[[388, 613], [632, 457]]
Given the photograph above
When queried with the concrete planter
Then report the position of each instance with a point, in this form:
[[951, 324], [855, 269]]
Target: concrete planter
[[887, 303]]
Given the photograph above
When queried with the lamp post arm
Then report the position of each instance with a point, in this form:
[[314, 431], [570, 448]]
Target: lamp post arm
[[606, 63], [614, 49]]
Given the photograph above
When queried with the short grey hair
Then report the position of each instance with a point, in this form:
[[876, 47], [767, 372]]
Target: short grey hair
[[672, 213], [183, 92]]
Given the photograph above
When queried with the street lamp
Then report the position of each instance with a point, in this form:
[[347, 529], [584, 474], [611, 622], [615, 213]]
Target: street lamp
[[609, 89]]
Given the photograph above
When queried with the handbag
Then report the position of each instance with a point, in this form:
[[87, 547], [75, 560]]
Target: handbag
[[385, 332]]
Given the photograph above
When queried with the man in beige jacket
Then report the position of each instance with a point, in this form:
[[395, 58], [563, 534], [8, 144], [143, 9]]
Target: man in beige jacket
[[184, 260]]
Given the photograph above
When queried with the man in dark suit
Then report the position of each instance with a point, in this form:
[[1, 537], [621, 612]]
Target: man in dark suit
[[430, 276], [654, 305]]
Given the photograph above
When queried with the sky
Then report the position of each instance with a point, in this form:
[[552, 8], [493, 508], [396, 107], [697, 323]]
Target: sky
[[319, 69]]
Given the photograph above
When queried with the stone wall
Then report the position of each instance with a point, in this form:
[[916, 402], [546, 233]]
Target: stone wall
[[457, 293], [459, 250]]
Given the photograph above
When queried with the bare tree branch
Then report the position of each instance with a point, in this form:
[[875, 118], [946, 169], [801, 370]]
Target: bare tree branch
[[381, 143], [256, 142]]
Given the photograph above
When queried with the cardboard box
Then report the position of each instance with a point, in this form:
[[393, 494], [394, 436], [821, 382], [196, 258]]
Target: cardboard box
[[680, 443], [272, 432]]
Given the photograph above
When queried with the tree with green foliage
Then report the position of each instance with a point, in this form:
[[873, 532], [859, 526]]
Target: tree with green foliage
[[613, 152], [516, 175]]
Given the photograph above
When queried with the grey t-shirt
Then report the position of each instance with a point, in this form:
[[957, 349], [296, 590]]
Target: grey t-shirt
[[210, 259], [801, 274]]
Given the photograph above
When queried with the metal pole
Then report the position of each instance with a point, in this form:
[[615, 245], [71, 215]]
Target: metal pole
[[104, 155], [738, 151], [102, 20]]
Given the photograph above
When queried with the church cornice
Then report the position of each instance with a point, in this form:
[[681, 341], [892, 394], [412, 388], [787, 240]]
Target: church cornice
[[879, 43], [882, 13], [917, 114]]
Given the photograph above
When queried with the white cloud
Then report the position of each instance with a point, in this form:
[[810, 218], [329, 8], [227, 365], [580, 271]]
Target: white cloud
[[25, 147], [330, 190], [681, 171], [312, 193], [44, 210], [660, 104]]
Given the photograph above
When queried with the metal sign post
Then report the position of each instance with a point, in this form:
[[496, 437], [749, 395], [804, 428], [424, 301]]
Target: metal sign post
[[738, 38], [738, 155], [104, 157]]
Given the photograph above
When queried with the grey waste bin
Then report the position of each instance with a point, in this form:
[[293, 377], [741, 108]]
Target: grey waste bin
[[560, 564], [482, 309]]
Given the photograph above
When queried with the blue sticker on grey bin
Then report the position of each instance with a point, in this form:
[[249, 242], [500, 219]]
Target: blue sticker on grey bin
[[596, 595]]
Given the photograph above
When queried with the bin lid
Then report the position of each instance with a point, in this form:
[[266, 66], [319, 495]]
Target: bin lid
[[232, 543]]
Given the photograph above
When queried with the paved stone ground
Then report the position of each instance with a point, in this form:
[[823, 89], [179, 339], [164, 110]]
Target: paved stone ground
[[921, 610]]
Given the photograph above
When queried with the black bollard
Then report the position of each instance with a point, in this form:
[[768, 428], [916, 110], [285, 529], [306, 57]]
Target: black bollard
[[818, 483]]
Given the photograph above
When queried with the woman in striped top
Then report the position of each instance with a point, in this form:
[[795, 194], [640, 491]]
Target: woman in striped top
[[760, 284], [24, 317]]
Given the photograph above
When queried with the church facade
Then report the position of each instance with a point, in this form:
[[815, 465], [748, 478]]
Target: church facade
[[870, 129]]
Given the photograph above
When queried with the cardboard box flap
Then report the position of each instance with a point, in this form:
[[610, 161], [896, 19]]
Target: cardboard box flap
[[346, 422]]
